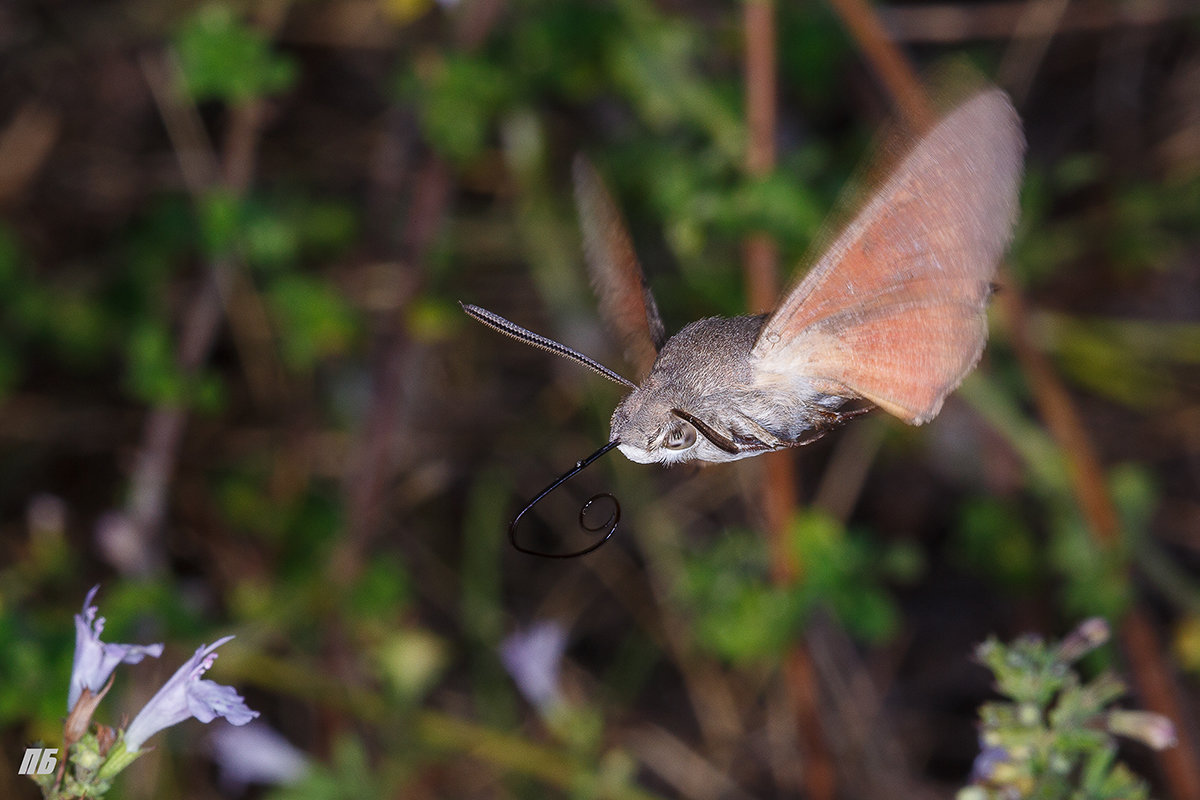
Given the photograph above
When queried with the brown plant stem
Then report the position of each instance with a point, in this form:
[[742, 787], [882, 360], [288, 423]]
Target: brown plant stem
[[373, 460], [889, 63], [158, 452], [1036, 28], [374, 457], [162, 436], [1151, 677], [779, 496], [26, 142], [1055, 406], [1150, 673], [1003, 19]]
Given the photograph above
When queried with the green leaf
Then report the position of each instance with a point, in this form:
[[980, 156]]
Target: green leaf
[[1055, 738], [222, 58], [459, 98], [11, 258], [993, 539], [313, 320], [152, 375], [272, 240], [222, 216]]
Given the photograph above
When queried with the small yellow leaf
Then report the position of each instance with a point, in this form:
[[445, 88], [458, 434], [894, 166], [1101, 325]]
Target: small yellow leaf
[[403, 12]]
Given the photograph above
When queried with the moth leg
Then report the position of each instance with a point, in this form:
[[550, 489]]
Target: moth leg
[[735, 442], [758, 437], [808, 437], [762, 439], [828, 420]]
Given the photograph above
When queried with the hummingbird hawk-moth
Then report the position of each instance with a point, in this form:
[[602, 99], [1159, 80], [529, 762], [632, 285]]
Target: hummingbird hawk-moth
[[893, 313]]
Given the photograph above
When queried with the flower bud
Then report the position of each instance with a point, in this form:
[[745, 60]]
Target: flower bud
[[80, 718], [1090, 634], [1153, 730]]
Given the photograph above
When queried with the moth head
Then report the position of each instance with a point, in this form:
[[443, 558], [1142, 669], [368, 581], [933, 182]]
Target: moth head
[[650, 430]]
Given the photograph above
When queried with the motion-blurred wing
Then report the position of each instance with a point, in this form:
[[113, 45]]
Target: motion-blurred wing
[[626, 303], [894, 311]]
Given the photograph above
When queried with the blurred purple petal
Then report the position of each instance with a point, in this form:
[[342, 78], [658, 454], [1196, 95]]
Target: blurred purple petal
[[186, 695], [990, 757], [255, 753], [122, 544], [533, 658], [95, 660], [46, 514], [1149, 728]]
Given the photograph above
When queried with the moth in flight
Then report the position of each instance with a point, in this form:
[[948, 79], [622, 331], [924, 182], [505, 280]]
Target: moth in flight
[[893, 313]]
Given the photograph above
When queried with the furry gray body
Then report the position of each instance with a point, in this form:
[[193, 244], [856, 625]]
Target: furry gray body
[[707, 369]]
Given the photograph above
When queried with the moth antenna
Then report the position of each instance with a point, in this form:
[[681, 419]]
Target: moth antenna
[[499, 323], [609, 526]]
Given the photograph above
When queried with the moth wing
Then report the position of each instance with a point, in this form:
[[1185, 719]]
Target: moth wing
[[894, 311], [626, 302]]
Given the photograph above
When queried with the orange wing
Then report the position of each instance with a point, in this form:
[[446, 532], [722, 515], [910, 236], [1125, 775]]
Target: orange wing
[[626, 303], [894, 311]]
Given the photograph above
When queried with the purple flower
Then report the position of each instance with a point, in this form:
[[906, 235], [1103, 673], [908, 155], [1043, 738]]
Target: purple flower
[[989, 759], [95, 660], [255, 753], [186, 695], [533, 658], [1153, 730]]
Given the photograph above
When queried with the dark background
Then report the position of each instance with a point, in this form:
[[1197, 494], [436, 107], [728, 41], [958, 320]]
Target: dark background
[[238, 393]]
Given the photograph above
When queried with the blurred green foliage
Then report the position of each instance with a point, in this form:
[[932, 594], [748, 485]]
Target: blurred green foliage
[[1053, 736], [384, 667], [993, 540], [222, 58], [459, 98], [741, 616]]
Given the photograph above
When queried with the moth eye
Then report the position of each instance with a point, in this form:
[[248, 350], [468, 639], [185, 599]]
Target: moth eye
[[680, 437]]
